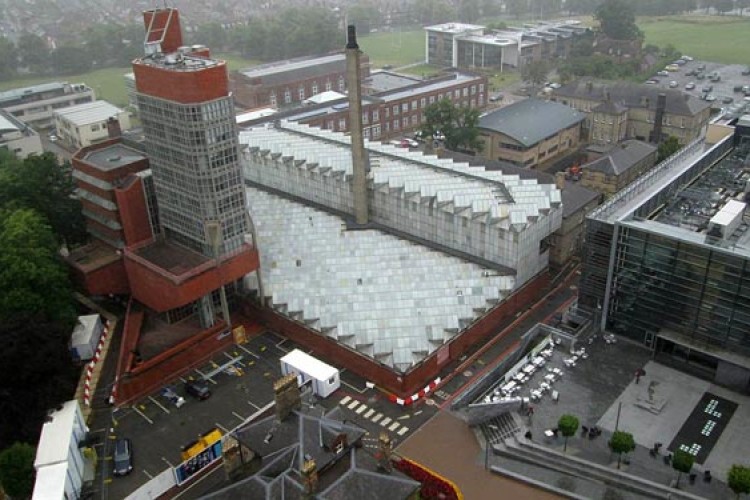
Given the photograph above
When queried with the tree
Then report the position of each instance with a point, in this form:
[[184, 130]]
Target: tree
[[617, 20], [469, 10], [17, 470], [42, 184], [621, 442], [667, 148], [364, 16], [535, 72], [70, 60], [568, 426], [32, 277], [33, 53], [682, 461], [433, 11], [516, 8], [459, 125], [8, 59], [738, 479]]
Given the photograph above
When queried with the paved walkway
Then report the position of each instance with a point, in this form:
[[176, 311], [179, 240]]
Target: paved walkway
[[457, 456]]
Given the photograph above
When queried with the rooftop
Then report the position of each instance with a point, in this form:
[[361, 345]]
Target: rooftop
[[386, 81], [171, 257], [277, 73], [428, 86], [575, 197], [113, 156], [13, 94], [454, 27], [632, 95], [531, 120], [179, 61], [57, 433], [622, 158], [88, 113]]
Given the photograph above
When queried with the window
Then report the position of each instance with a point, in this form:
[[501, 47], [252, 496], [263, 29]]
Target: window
[[473, 90], [466, 91], [330, 124], [414, 105], [95, 128], [302, 93], [342, 83], [395, 110], [328, 85], [375, 116], [406, 122], [287, 96], [366, 133], [387, 113], [342, 125], [273, 98], [376, 131], [457, 93], [405, 107], [315, 87], [365, 118], [396, 125], [432, 99], [481, 87], [440, 97], [414, 119], [423, 102]]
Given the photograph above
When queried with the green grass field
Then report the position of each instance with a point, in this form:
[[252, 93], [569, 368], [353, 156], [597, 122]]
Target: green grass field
[[711, 38], [394, 48], [108, 83]]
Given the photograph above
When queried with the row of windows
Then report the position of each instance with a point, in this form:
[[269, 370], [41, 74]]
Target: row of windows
[[302, 91]]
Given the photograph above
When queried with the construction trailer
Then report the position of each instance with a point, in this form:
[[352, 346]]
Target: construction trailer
[[323, 378]]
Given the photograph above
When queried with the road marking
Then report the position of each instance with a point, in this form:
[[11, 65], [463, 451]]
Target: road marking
[[149, 475], [167, 462], [353, 404], [158, 404], [395, 426], [377, 417], [417, 412], [108, 480], [278, 346], [242, 419], [404, 417], [361, 409], [251, 353], [345, 400], [350, 386], [103, 429], [139, 412], [403, 431], [385, 422], [369, 413], [253, 405], [206, 378], [224, 429]]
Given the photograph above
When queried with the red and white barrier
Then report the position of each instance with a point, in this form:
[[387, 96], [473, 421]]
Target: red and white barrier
[[91, 364], [431, 387]]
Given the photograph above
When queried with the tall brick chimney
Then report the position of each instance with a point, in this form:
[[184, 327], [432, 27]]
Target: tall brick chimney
[[359, 155], [113, 128], [661, 106], [287, 395]]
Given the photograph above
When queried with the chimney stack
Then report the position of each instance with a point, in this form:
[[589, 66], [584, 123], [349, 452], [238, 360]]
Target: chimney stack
[[113, 128], [310, 475], [661, 106], [287, 395], [560, 180], [385, 450], [359, 155]]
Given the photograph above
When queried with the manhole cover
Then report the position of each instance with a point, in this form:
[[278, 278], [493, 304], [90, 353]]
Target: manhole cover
[[468, 373], [430, 402]]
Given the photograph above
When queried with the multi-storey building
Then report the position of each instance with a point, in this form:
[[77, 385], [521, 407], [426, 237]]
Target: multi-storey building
[[17, 137], [530, 132], [36, 105], [285, 83], [627, 110], [395, 112], [667, 259], [619, 167], [473, 46], [85, 124]]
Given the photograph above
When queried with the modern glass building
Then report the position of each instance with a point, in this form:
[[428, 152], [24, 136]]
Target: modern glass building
[[667, 260]]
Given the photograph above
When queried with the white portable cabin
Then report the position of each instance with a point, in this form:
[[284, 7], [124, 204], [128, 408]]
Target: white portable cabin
[[86, 336], [323, 378]]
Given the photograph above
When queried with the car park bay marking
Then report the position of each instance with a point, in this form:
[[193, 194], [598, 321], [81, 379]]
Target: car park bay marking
[[394, 426], [159, 405], [376, 418], [353, 404], [139, 412], [205, 377], [167, 462], [385, 422], [345, 400], [242, 419], [361, 409], [369, 413], [149, 475], [223, 429], [253, 405], [403, 431], [251, 353]]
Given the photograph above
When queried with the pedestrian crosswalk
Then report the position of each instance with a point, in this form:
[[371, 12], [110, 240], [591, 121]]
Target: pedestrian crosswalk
[[370, 414]]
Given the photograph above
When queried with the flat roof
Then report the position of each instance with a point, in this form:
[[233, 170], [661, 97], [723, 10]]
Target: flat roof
[[428, 87], [171, 257], [57, 433], [7, 125], [50, 482], [386, 81], [113, 156], [255, 114], [89, 112], [454, 27], [290, 65], [310, 365], [179, 61], [12, 94]]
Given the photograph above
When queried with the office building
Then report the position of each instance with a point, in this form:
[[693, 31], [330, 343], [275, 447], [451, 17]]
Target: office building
[[667, 259], [17, 137], [85, 124], [35, 105]]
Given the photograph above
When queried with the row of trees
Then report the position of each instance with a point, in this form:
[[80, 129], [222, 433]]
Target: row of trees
[[38, 214], [661, 7]]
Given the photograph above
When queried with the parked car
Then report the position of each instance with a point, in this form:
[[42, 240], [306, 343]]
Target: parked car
[[652, 81], [496, 97], [686, 58], [662, 73], [728, 100], [198, 390], [673, 84], [689, 86], [409, 143], [680, 62], [708, 88], [701, 67], [701, 76], [122, 458], [746, 71], [710, 97], [672, 67], [438, 136]]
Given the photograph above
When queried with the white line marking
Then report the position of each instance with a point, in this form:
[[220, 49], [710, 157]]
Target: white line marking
[[369, 413], [206, 378], [361, 409], [242, 419], [345, 400], [350, 386], [139, 412], [253, 405], [149, 475], [385, 422], [403, 417], [403, 431], [417, 412], [353, 404], [159, 405], [224, 429], [167, 462], [377, 417], [251, 353], [278, 346], [395, 426]]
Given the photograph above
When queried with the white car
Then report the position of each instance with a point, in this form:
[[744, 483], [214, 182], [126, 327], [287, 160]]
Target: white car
[[689, 86], [673, 84]]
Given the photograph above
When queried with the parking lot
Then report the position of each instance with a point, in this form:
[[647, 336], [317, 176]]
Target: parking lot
[[731, 77], [240, 379]]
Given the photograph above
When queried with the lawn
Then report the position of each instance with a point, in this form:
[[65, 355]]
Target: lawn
[[722, 39], [397, 48], [108, 83]]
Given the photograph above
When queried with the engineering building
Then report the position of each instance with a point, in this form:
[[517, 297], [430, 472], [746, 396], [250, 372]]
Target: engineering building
[[84, 124], [35, 105], [667, 259], [371, 298], [459, 45]]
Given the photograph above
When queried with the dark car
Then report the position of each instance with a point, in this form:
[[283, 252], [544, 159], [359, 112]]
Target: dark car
[[728, 100], [198, 390], [122, 457]]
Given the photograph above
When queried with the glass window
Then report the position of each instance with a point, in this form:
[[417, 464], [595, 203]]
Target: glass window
[[375, 116]]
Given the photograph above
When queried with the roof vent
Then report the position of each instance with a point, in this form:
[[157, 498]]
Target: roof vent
[[114, 159]]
